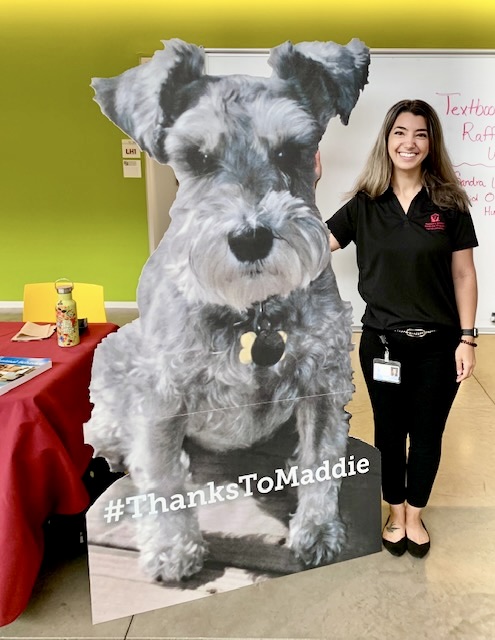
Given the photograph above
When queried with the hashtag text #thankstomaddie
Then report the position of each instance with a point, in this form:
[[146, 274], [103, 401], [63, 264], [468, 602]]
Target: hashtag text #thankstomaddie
[[150, 504]]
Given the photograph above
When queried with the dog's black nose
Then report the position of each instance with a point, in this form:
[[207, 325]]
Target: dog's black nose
[[252, 244]]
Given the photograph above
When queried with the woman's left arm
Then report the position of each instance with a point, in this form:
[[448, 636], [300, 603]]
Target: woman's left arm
[[466, 295]]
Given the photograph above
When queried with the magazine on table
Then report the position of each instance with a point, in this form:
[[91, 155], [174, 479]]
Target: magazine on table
[[15, 371]]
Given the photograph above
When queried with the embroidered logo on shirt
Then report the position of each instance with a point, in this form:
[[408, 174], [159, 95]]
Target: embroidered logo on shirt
[[436, 223]]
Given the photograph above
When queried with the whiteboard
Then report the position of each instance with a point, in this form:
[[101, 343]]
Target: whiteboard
[[459, 85]]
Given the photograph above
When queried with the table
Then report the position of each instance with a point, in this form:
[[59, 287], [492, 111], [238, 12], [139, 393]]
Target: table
[[42, 455]]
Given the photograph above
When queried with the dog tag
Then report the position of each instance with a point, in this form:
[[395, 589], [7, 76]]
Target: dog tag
[[386, 370], [268, 348], [247, 341]]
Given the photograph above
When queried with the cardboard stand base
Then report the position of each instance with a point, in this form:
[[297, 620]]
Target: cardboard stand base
[[247, 537]]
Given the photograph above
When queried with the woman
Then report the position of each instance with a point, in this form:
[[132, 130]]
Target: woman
[[409, 218]]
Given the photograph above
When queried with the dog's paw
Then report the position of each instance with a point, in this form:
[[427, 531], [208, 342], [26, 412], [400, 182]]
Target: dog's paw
[[176, 559], [317, 544]]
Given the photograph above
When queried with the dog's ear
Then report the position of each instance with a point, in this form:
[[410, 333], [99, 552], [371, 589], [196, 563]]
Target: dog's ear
[[327, 76], [138, 101]]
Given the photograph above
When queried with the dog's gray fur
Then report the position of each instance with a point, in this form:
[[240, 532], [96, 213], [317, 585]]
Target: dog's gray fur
[[246, 245]]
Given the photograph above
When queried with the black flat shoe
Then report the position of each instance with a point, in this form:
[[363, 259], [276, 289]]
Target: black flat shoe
[[398, 548], [418, 550]]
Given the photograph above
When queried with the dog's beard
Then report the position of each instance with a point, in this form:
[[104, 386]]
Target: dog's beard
[[213, 274]]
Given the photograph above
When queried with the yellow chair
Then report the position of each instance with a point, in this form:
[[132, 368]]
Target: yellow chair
[[40, 299]]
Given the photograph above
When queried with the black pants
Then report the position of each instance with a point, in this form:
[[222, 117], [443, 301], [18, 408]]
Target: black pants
[[418, 407]]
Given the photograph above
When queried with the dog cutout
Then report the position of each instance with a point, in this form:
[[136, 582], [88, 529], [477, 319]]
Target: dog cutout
[[241, 327]]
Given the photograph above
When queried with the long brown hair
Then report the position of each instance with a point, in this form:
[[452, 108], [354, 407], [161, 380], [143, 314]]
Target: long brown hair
[[438, 174]]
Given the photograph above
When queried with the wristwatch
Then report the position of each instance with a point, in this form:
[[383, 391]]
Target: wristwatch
[[469, 332]]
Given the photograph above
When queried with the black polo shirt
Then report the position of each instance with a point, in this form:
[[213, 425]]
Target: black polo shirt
[[404, 261]]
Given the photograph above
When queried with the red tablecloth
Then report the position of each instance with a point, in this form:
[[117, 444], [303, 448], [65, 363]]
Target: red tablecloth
[[42, 455]]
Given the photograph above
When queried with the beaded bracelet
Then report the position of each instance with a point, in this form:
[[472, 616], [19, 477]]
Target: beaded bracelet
[[472, 344]]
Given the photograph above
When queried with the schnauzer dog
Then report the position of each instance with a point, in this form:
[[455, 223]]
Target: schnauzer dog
[[241, 325]]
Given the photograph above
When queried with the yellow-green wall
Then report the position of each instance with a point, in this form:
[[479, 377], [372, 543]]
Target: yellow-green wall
[[65, 209]]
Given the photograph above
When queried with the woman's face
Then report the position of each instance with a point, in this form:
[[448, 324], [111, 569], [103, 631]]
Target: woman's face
[[408, 143]]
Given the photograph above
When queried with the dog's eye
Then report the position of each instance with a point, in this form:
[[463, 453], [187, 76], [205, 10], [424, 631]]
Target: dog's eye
[[287, 157], [201, 162]]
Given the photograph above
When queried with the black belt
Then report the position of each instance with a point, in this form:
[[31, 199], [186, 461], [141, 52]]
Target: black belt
[[414, 332]]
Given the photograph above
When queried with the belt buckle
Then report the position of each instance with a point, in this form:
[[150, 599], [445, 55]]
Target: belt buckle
[[415, 333]]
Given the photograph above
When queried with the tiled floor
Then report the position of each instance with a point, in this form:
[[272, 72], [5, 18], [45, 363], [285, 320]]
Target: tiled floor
[[449, 595]]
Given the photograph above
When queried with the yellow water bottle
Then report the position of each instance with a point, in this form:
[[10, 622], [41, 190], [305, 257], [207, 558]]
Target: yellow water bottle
[[66, 314]]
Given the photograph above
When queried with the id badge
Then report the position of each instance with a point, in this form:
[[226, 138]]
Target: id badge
[[386, 370]]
